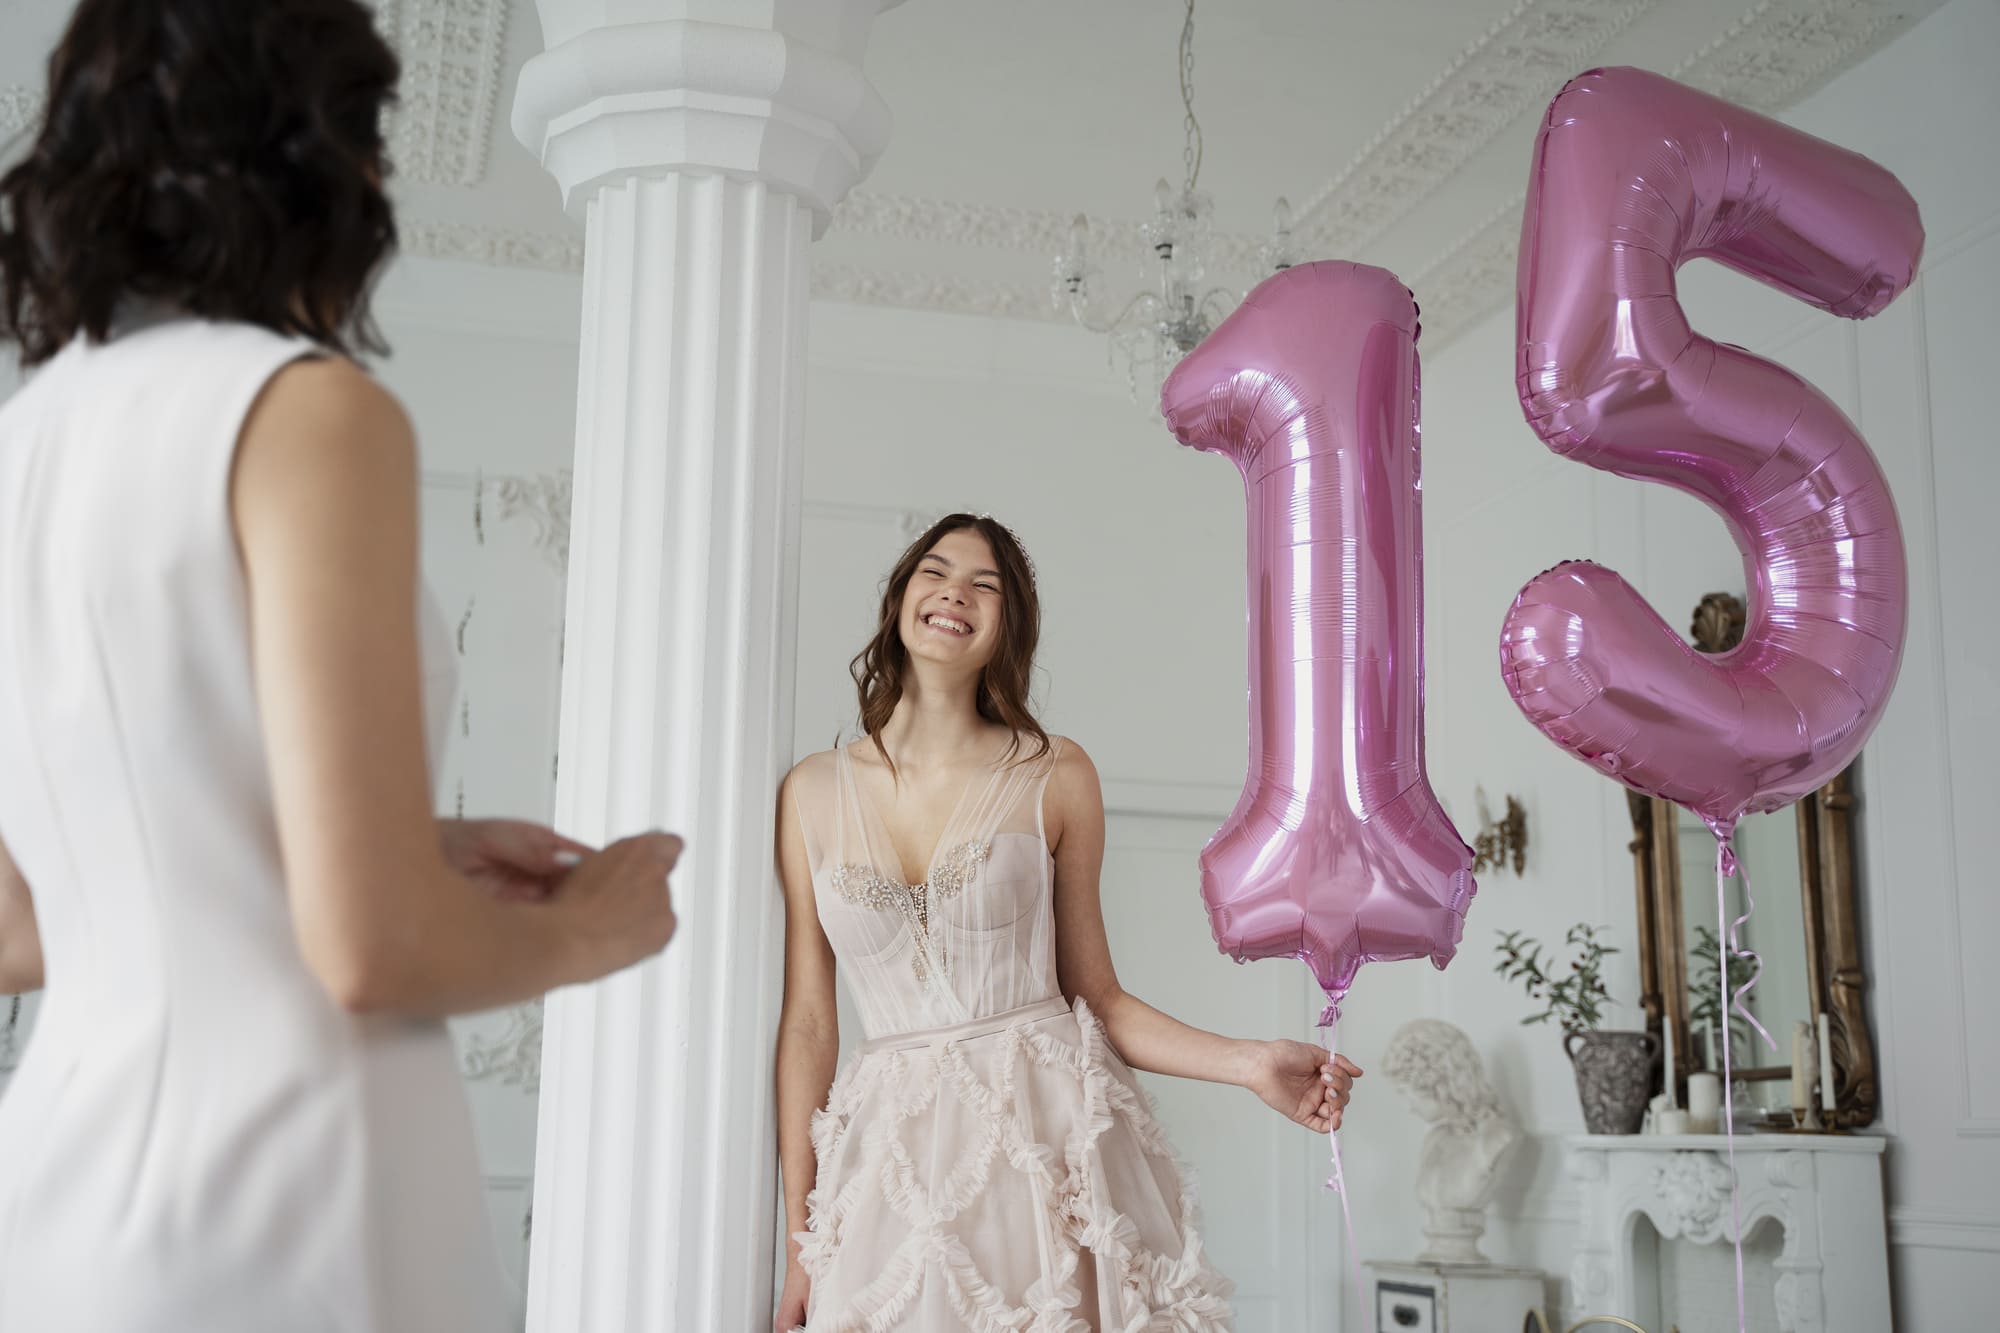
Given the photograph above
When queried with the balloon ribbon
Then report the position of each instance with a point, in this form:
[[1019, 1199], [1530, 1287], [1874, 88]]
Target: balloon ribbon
[[1730, 946], [1329, 1031]]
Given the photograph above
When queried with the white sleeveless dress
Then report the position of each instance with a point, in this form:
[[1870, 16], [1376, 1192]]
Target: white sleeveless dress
[[986, 1161], [197, 1137]]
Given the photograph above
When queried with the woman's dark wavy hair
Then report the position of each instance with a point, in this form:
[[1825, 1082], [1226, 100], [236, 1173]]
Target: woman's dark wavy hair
[[878, 669], [221, 157]]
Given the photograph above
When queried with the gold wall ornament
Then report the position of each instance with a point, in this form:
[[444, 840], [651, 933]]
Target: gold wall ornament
[[1501, 840]]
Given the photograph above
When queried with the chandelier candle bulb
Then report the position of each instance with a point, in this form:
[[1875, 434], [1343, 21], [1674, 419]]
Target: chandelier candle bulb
[[1826, 1068]]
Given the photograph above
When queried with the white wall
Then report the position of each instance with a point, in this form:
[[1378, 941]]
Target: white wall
[[1500, 510]]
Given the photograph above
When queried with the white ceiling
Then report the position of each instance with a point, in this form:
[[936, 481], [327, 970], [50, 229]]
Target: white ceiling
[[1399, 129]]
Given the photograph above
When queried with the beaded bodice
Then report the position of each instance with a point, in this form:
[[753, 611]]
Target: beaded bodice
[[974, 937]]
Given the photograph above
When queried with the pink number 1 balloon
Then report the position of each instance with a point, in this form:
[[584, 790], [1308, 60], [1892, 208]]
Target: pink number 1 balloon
[[1337, 852], [1633, 175]]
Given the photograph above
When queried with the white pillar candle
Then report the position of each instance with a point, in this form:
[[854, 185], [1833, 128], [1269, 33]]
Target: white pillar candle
[[1825, 1066], [1667, 1046], [1704, 1102], [1801, 1082]]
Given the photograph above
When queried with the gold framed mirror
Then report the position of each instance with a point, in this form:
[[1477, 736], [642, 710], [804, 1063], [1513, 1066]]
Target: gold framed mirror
[[1806, 928]]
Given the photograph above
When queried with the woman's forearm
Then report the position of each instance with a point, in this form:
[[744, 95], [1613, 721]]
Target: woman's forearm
[[20, 935], [806, 1062], [1159, 1044], [20, 960]]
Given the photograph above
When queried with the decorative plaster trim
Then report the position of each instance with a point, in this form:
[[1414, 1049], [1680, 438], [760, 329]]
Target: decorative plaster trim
[[1780, 50], [544, 500], [1146, 797], [1041, 233], [1776, 52], [1784, 49], [910, 523], [20, 110], [910, 218], [1515, 67], [933, 291], [1932, 1229], [505, 247], [1472, 278], [513, 1057], [453, 53]]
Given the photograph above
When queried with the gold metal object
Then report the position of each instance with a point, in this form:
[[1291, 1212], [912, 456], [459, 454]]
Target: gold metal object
[[1500, 840], [1835, 979]]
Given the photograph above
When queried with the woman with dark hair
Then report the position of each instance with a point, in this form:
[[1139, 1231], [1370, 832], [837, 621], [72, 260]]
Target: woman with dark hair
[[987, 1160], [240, 1112]]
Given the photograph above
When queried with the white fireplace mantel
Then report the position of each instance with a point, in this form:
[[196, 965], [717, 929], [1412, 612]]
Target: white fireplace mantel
[[1824, 1190]]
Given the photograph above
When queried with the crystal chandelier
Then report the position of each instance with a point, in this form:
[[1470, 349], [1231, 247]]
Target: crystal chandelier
[[1157, 327]]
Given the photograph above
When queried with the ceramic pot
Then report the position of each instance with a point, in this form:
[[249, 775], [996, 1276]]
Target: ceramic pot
[[1614, 1077]]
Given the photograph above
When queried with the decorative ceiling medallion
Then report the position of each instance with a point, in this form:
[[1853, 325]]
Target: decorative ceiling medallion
[[452, 53]]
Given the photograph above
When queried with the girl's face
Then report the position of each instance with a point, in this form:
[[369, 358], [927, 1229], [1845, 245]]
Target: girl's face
[[952, 608]]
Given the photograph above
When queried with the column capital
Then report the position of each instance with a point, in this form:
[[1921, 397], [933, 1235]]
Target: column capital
[[767, 90]]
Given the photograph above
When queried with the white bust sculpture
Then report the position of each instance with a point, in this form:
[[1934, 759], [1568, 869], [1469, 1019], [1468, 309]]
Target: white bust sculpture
[[1434, 1065]]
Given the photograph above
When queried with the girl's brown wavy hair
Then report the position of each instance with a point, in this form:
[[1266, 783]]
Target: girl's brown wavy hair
[[879, 668], [219, 157]]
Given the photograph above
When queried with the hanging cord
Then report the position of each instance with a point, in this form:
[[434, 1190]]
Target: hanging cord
[[1191, 151]]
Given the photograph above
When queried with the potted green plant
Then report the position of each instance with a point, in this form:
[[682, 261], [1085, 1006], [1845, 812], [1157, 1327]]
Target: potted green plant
[[1614, 1070], [1705, 996]]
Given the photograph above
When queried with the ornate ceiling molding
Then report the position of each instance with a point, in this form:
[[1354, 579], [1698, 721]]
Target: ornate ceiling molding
[[1773, 54], [1472, 278], [1777, 52], [453, 54], [1510, 71], [1781, 50], [932, 291], [507, 247]]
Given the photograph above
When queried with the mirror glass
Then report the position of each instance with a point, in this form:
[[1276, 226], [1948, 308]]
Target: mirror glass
[[1767, 846]]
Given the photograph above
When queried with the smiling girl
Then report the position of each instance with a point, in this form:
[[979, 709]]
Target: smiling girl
[[986, 1160]]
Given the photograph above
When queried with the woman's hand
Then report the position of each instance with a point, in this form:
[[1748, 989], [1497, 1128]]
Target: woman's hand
[[1302, 1082], [511, 859], [792, 1300]]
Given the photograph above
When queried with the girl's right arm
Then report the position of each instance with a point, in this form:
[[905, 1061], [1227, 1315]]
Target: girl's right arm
[[323, 498], [808, 1045]]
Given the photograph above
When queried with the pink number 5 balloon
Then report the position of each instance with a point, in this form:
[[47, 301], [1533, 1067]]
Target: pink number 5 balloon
[[1337, 852], [1633, 175]]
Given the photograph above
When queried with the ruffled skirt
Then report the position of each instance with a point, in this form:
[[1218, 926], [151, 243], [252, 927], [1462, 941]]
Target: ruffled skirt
[[1004, 1176]]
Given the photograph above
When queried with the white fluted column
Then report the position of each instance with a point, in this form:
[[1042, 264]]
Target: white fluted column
[[704, 142]]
